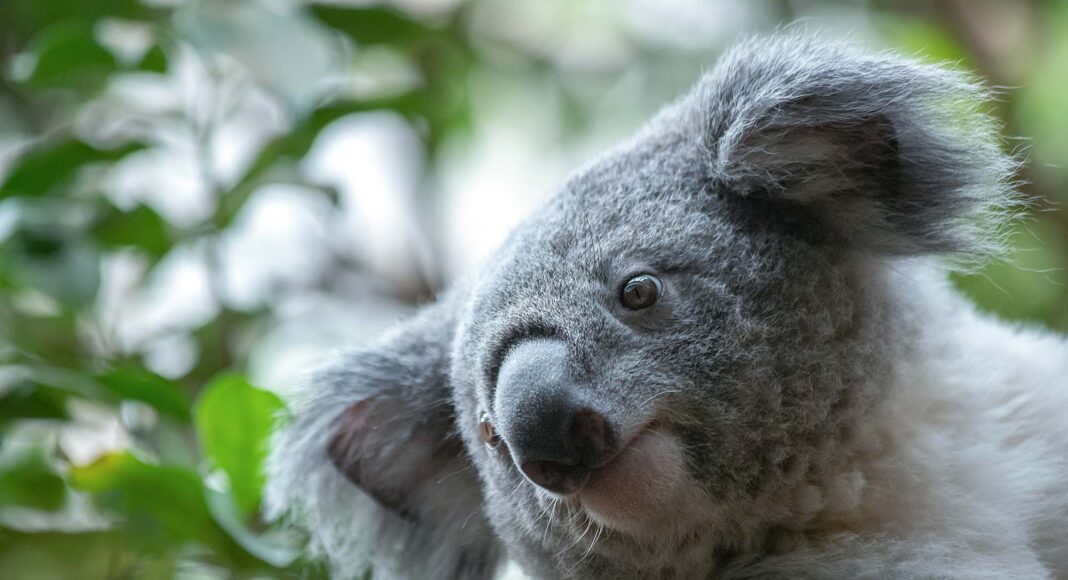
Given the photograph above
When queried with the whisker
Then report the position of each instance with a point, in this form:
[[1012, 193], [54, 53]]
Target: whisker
[[458, 471], [589, 523], [554, 505], [596, 537], [472, 514], [660, 394], [415, 411]]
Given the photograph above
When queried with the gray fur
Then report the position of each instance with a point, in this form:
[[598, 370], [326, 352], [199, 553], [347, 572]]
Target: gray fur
[[775, 201], [893, 154], [432, 527]]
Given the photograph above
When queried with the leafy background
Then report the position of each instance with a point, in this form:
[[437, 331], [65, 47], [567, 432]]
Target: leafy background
[[198, 198]]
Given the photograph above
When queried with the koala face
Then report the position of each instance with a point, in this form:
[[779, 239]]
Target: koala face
[[694, 324], [648, 352]]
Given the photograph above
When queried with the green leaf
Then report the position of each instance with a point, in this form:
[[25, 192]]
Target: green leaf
[[30, 401], [162, 505], [25, 18], [46, 254], [136, 384], [267, 549], [234, 421], [155, 60], [51, 338], [140, 228], [54, 556], [68, 56], [373, 24], [30, 481], [42, 169]]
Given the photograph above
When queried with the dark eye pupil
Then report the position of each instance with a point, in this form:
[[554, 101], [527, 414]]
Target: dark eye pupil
[[641, 292]]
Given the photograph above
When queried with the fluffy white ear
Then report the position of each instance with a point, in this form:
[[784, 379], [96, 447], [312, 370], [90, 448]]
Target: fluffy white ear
[[875, 152], [370, 465]]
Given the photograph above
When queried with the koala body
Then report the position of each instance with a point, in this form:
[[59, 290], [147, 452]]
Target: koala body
[[727, 348]]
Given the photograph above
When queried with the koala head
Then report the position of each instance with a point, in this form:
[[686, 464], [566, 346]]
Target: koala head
[[693, 325]]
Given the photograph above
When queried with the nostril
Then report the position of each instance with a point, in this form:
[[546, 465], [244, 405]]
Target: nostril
[[592, 437], [561, 458], [555, 476]]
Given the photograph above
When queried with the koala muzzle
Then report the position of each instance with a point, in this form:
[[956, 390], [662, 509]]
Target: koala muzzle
[[555, 436]]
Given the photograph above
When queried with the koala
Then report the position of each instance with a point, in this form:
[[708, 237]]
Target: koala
[[726, 348]]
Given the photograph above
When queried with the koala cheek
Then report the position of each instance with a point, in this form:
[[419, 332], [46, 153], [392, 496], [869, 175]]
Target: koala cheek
[[640, 490]]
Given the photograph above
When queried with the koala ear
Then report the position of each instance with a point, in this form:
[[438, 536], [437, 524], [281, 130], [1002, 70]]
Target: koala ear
[[370, 464], [872, 152]]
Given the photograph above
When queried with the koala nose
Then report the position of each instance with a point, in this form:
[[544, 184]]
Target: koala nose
[[582, 442], [554, 436]]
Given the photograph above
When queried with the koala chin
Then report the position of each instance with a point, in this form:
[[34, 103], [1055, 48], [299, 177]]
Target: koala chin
[[727, 348]]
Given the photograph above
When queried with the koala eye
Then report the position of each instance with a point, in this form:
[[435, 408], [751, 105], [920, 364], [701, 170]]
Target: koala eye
[[486, 432], [641, 292]]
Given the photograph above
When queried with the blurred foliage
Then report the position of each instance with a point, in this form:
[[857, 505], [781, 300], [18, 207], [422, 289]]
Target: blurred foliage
[[111, 467]]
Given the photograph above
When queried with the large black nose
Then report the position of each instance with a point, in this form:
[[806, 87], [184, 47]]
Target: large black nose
[[554, 434]]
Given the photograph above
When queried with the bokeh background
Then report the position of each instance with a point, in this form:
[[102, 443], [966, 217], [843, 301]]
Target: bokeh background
[[198, 199]]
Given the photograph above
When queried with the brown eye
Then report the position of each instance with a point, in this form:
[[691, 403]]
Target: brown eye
[[641, 292]]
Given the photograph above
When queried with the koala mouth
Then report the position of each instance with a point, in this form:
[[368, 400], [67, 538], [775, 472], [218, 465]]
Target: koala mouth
[[565, 445], [640, 486]]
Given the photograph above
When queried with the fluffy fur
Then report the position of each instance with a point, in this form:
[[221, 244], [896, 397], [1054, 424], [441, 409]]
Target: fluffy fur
[[808, 398]]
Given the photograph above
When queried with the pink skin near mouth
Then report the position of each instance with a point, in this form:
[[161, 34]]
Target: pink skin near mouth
[[639, 486]]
